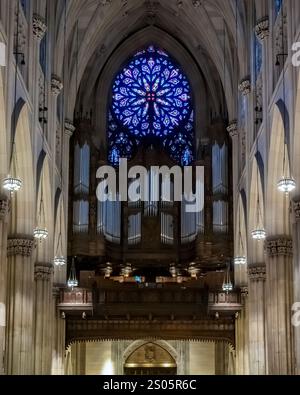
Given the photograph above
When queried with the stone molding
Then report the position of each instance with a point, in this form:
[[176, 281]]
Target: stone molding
[[43, 271], [56, 85], [232, 129], [39, 26], [279, 246], [257, 273], [262, 29], [245, 86], [20, 245]]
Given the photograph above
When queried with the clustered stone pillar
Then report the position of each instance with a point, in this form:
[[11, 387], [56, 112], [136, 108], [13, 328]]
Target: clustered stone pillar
[[43, 298], [279, 304], [4, 209], [58, 347], [257, 317], [19, 342], [242, 336], [296, 237]]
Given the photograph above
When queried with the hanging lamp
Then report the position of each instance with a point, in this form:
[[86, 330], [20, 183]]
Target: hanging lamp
[[72, 281], [12, 183], [286, 184], [227, 284], [59, 259], [40, 232]]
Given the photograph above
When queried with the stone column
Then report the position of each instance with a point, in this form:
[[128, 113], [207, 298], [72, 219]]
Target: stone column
[[20, 328], [43, 298], [242, 336], [279, 304], [4, 209], [296, 277], [257, 318], [221, 358], [58, 346]]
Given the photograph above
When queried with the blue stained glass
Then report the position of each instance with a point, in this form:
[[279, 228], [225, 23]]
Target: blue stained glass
[[258, 56], [151, 97], [278, 4]]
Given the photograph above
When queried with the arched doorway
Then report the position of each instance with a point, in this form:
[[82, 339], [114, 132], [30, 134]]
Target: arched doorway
[[150, 359]]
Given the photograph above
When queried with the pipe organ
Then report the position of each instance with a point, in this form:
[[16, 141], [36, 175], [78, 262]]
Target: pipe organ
[[158, 228]]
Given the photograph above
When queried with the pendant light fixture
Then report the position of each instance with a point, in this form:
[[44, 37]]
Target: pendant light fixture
[[40, 232], [259, 232], [72, 281], [59, 259], [12, 183], [227, 284], [241, 258], [286, 184]]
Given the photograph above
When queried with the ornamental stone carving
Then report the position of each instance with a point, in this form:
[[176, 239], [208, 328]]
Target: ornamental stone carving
[[69, 127], [257, 273], [232, 129], [43, 271], [262, 28], [279, 246], [297, 210], [244, 291], [20, 245], [39, 26], [245, 86], [196, 3], [4, 208], [56, 85]]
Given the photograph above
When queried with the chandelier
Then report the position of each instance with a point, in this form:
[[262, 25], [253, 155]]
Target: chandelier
[[72, 281], [286, 185], [193, 270], [227, 284], [259, 234], [240, 260], [59, 261], [40, 233], [127, 270], [12, 184], [108, 270]]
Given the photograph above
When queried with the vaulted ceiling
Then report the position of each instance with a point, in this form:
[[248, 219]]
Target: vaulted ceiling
[[96, 28]]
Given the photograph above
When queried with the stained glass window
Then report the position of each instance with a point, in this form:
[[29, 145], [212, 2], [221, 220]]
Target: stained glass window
[[151, 98], [278, 4], [258, 56]]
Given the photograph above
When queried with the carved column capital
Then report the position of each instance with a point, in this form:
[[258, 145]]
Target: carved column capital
[[4, 207], [232, 129], [39, 26], [279, 246], [20, 245], [245, 86], [43, 271], [56, 85], [297, 210], [257, 272], [262, 28], [69, 128]]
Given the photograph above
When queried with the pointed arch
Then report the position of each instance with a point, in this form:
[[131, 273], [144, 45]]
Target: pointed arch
[[22, 219], [277, 215]]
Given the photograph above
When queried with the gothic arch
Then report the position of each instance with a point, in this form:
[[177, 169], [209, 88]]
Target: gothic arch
[[44, 213], [256, 248], [277, 216], [3, 135], [241, 243], [22, 219], [140, 343], [151, 35], [296, 140]]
